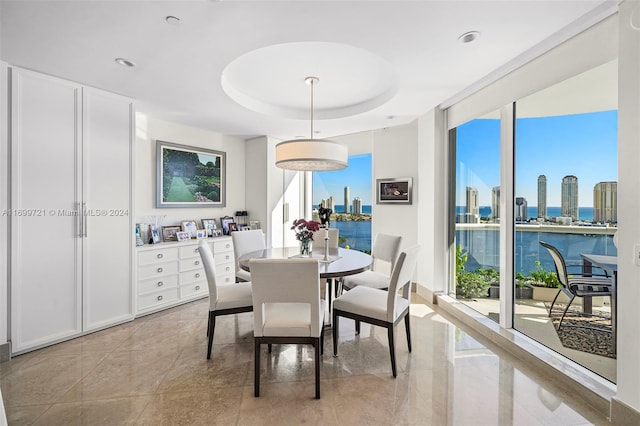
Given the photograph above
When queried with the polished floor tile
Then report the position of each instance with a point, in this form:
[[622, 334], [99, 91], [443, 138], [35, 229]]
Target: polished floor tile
[[154, 371]]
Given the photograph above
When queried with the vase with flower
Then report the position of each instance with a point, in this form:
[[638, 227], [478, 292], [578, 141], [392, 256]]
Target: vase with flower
[[304, 233]]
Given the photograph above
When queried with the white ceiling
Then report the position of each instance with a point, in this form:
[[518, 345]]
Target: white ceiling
[[238, 67]]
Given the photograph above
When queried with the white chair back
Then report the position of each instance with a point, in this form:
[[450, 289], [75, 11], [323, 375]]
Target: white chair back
[[318, 239], [401, 279], [280, 281], [247, 241], [385, 248], [210, 271]]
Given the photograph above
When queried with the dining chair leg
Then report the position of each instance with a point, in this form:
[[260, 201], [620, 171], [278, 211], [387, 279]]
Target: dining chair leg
[[408, 328], [256, 377], [209, 324], [317, 350], [357, 326], [392, 349], [212, 323], [322, 341], [334, 331]]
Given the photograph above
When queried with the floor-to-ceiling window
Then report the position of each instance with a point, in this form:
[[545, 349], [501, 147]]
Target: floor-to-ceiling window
[[566, 195], [477, 213], [348, 193]]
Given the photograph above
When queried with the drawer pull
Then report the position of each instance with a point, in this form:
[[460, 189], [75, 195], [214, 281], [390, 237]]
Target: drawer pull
[[227, 279], [197, 287], [197, 249], [160, 297], [228, 245], [227, 269], [197, 262], [160, 270], [160, 283], [227, 257], [197, 275], [160, 256]]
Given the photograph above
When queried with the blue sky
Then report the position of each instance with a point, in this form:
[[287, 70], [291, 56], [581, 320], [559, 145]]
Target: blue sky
[[584, 145], [357, 176]]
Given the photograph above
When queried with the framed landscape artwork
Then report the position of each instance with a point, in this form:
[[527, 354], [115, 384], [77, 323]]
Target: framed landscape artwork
[[189, 176], [394, 190]]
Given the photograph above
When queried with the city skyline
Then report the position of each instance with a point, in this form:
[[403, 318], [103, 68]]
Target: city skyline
[[584, 145], [357, 176]]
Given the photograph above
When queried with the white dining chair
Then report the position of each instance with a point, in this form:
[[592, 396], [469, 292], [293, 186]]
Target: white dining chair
[[246, 242], [380, 307], [287, 308], [385, 249], [318, 240], [225, 299]]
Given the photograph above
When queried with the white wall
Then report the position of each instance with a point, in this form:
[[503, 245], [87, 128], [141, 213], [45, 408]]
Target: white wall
[[4, 200], [148, 130], [628, 372]]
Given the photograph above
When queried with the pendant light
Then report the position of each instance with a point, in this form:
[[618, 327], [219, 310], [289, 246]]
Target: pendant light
[[311, 154]]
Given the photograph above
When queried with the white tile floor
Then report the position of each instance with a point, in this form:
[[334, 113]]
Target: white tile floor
[[154, 371]]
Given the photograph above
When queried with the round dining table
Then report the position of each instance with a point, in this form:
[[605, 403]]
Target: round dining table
[[340, 262]]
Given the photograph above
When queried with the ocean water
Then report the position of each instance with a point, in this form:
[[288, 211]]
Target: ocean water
[[366, 209], [584, 213], [358, 234]]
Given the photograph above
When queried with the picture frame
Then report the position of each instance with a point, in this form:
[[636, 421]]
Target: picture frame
[[243, 227], [189, 176], [190, 227], [216, 233], [201, 233], [154, 234], [169, 233], [233, 227], [224, 224], [254, 224], [183, 236], [394, 190], [209, 225]]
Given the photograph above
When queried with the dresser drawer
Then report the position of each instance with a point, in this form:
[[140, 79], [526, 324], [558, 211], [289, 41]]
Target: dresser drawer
[[158, 298], [223, 245], [192, 276], [190, 264], [226, 268], [194, 289], [225, 278], [221, 258], [156, 256], [159, 283], [189, 252], [157, 270]]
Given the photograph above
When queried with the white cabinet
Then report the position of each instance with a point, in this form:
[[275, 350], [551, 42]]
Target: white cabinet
[[71, 239], [172, 273]]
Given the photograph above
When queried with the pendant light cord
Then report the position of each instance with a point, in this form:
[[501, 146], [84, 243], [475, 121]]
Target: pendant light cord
[[311, 82]]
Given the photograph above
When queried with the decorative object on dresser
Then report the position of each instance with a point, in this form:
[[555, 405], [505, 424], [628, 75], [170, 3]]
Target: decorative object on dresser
[[394, 190], [232, 227], [172, 273], [190, 227], [189, 176], [169, 233], [209, 225], [154, 234], [183, 236], [139, 241], [224, 224], [201, 233], [241, 216], [254, 224]]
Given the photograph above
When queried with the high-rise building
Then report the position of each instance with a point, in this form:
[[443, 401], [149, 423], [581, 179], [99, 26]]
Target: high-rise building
[[357, 206], [331, 203], [605, 202], [542, 196], [347, 197], [521, 209], [473, 205], [569, 195], [495, 202]]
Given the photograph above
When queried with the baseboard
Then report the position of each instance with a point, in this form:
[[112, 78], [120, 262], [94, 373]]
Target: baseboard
[[622, 414], [591, 388], [426, 294], [5, 352]]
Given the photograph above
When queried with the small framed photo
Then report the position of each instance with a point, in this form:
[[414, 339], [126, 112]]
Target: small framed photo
[[201, 233], [394, 190], [169, 233], [232, 227], [183, 236], [154, 234], [190, 227], [243, 227], [216, 233], [209, 225], [254, 224], [224, 224]]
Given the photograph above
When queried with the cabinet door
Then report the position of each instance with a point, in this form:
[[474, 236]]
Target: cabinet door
[[108, 236], [45, 270]]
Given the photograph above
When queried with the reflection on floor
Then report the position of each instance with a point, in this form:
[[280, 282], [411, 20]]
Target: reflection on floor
[[154, 371], [531, 319]]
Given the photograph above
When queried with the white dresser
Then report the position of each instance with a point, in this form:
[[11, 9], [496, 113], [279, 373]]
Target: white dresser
[[171, 273]]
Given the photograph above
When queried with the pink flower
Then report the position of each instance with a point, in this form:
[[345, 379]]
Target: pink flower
[[305, 229]]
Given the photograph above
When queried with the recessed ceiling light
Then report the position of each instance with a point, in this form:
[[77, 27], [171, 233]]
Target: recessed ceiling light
[[468, 37], [125, 62], [173, 20]]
